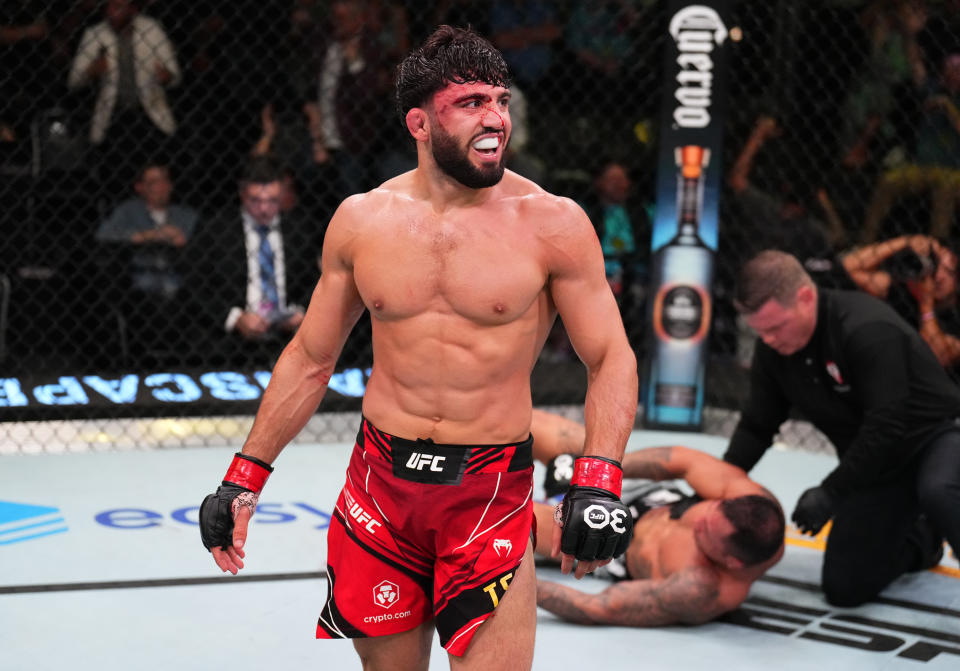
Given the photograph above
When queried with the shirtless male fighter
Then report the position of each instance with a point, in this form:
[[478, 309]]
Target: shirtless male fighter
[[463, 267], [691, 558]]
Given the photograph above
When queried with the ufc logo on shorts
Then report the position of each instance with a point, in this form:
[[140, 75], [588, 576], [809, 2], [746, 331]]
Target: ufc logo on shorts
[[597, 517], [418, 460], [360, 515]]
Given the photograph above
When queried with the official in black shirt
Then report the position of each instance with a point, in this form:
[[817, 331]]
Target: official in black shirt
[[859, 373]]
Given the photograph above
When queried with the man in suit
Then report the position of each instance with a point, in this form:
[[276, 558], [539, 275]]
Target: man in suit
[[254, 269]]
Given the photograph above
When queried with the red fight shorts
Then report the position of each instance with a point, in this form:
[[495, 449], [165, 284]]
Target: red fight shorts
[[425, 531]]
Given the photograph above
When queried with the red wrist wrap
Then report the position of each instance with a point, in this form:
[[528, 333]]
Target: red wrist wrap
[[598, 472], [244, 472]]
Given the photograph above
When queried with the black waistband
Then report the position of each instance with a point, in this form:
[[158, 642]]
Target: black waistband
[[423, 460]]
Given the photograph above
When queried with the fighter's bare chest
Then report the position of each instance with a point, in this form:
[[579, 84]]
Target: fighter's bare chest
[[661, 546], [476, 268]]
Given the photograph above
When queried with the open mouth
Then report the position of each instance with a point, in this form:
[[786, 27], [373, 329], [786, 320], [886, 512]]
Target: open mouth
[[487, 146]]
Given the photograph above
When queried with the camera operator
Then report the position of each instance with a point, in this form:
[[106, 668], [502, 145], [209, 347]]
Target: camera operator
[[917, 276]]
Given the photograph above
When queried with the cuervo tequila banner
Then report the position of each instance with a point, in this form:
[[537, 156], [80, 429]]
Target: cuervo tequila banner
[[685, 226]]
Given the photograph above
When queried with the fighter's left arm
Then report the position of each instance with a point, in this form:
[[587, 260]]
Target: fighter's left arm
[[579, 289], [691, 596]]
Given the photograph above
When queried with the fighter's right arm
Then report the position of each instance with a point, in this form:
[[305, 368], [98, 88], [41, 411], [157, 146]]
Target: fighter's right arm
[[301, 374], [691, 596], [297, 385]]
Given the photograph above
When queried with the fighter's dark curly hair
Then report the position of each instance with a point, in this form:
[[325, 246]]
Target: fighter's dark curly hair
[[759, 526], [449, 55]]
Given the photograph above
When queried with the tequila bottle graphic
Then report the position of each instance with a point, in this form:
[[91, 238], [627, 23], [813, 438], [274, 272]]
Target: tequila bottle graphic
[[682, 271]]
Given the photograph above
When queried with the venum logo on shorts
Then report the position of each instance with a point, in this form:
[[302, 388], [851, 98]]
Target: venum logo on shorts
[[24, 522], [386, 594], [502, 546]]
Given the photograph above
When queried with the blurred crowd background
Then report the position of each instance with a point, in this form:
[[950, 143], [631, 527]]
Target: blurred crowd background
[[146, 147]]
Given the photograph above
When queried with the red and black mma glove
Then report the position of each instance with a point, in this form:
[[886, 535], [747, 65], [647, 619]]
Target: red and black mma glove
[[596, 524], [240, 488]]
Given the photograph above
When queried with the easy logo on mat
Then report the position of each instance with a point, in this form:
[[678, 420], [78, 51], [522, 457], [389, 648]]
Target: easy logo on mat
[[24, 522]]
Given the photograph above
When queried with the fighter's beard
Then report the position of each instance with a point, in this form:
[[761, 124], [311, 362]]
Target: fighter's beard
[[455, 163]]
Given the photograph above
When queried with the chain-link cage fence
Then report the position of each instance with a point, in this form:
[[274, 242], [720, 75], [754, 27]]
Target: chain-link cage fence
[[129, 132]]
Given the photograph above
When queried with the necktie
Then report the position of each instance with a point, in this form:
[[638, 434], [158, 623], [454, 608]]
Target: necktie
[[268, 279]]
